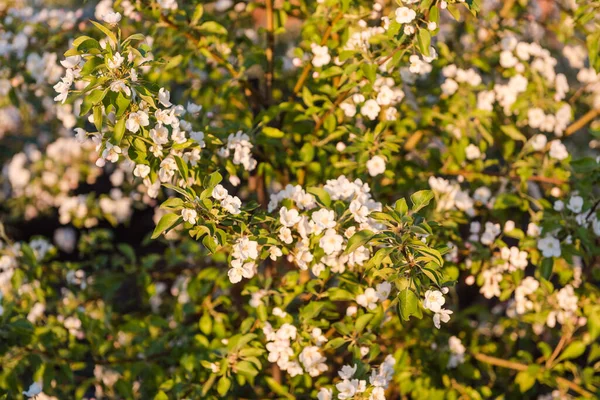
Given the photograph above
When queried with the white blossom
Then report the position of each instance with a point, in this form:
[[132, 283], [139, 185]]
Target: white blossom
[[376, 165], [405, 15], [549, 246], [189, 215], [434, 300]]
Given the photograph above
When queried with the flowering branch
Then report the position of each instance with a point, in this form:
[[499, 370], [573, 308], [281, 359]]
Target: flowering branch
[[308, 66]]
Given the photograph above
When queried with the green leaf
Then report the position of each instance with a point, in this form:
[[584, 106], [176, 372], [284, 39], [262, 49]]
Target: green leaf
[[430, 254], [473, 6], [135, 36], [246, 369], [370, 71], [454, 11], [377, 260], [424, 41], [213, 27], [178, 190], [119, 131], [106, 31], [98, 117], [146, 95], [213, 180], [182, 167], [14, 98], [71, 52], [174, 62], [205, 323], [307, 96], [593, 319], [432, 275], [223, 385], [360, 238], [408, 304], [401, 207], [167, 385], [321, 195], [122, 104], [337, 294], [172, 203], [91, 99], [573, 350], [198, 12], [546, 270], [161, 396], [593, 45], [512, 132], [424, 5], [167, 222], [91, 64], [434, 15], [334, 343], [311, 310], [525, 381], [362, 321], [84, 44], [208, 384], [307, 152], [272, 132], [421, 199], [127, 250], [209, 243], [80, 39], [331, 71], [278, 388], [507, 200]]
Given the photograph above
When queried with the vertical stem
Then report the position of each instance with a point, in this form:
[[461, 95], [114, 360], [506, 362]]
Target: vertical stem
[[308, 66], [270, 52], [563, 340]]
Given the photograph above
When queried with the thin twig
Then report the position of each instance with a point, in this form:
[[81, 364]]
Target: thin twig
[[534, 178], [556, 352], [499, 362], [461, 389], [392, 54], [596, 204], [342, 96], [413, 140], [308, 66], [581, 122]]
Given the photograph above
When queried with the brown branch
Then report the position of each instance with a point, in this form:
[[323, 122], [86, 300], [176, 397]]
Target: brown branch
[[581, 122], [508, 6], [535, 178], [389, 57], [342, 96], [413, 140], [499, 362], [596, 204], [308, 66], [556, 352], [269, 52], [461, 389]]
